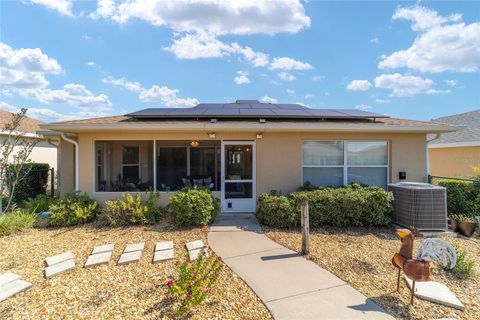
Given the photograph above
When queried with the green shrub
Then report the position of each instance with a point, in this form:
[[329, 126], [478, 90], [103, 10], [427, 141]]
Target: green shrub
[[465, 266], [194, 282], [276, 211], [131, 210], [33, 183], [73, 208], [352, 205], [463, 197], [15, 220], [193, 207], [38, 204]]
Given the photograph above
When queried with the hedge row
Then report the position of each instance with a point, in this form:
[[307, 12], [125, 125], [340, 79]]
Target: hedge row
[[352, 205], [463, 197]]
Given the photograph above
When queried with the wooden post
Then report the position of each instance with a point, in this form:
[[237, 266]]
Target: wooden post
[[305, 228]]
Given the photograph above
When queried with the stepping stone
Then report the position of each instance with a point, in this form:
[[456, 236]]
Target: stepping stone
[[435, 292], [103, 248], [12, 288], [129, 257], [193, 254], [8, 277], [164, 245], [97, 259], [197, 244], [59, 268], [163, 255], [134, 247], [59, 258]]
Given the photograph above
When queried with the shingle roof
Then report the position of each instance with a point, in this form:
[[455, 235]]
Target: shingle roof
[[28, 125], [470, 121]]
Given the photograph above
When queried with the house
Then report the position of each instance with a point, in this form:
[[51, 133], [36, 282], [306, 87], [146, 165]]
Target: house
[[239, 150], [455, 154], [45, 150]]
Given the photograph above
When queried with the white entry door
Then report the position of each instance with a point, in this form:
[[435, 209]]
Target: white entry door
[[238, 176]]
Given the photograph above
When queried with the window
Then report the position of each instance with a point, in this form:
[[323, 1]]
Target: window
[[130, 163], [336, 163]]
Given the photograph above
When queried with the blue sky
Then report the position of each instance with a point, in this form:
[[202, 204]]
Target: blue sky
[[68, 59]]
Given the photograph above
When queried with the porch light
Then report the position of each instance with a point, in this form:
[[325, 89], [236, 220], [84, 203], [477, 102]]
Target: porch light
[[259, 135], [211, 135], [194, 143]]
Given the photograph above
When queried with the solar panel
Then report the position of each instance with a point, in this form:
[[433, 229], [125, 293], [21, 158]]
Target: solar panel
[[252, 109]]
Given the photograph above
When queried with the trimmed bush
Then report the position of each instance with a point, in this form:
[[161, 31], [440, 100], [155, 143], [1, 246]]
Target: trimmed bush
[[193, 207], [131, 209], [353, 205], [463, 197], [38, 204], [33, 183], [15, 220], [72, 209]]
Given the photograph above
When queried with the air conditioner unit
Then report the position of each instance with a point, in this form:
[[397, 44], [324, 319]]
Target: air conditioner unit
[[421, 205]]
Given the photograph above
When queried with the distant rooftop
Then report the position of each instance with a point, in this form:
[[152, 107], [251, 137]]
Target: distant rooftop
[[28, 125], [253, 109], [470, 121]]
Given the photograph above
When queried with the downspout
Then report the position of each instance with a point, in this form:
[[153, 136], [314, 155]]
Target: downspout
[[437, 136], [75, 144]]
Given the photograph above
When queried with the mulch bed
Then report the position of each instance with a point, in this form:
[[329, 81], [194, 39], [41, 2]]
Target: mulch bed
[[362, 258], [135, 291]]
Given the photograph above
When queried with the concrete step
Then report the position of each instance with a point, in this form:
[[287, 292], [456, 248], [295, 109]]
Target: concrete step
[[103, 248], [8, 277], [129, 257], [197, 244], [12, 288], [59, 268], [59, 258], [97, 259], [164, 245], [163, 255], [134, 247]]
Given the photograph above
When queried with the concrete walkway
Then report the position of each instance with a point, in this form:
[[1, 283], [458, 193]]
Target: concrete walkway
[[289, 285]]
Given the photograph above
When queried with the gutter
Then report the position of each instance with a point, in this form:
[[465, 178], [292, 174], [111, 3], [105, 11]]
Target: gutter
[[77, 159]]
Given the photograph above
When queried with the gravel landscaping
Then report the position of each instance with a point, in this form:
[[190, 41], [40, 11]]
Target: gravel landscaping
[[135, 291], [362, 258]]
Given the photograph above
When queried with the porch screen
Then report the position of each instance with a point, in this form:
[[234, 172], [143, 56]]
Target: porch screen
[[336, 163]]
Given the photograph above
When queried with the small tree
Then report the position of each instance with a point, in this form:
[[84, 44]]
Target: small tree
[[15, 150]]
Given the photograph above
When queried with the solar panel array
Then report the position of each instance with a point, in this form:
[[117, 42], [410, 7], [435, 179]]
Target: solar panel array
[[252, 109]]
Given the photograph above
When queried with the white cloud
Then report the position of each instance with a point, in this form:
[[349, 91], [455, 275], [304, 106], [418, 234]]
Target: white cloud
[[25, 68], [214, 17], [241, 78], [317, 78], [64, 7], [290, 91], [375, 40], [403, 85], [363, 107], [437, 91], [309, 96], [285, 63], [285, 76], [267, 99], [440, 46], [451, 83], [124, 83], [166, 96], [90, 63], [382, 101], [359, 85], [42, 114]]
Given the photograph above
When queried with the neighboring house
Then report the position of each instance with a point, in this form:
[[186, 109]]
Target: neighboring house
[[455, 154], [239, 150], [44, 152]]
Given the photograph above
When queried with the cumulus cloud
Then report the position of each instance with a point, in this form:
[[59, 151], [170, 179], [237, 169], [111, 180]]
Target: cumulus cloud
[[359, 85], [285, 63], [64, 7], [290, 91], [382, 100], [309, 96], [444, 43], [214, 17], [285, 76], [363, 107], [402, 85], [267, 99], [241, 78], [451, 83], [25, 67], [124, 83], [168, 97], [42, 114]]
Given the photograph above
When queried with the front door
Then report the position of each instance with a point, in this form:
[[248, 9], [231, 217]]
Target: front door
[[238, 176]]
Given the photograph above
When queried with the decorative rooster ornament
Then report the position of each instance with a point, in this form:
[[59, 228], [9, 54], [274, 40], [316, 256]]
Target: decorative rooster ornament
[[430, 249]]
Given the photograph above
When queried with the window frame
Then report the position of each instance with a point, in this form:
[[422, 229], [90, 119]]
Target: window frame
[[132, 145], [345, 165]]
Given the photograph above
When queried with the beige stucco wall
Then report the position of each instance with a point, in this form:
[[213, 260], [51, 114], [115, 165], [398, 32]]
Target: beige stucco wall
[[66, 168], [454, 162], [278, 156]]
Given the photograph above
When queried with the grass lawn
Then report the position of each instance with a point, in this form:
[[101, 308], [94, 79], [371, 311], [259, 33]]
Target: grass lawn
[[362, 257], [135, 291]]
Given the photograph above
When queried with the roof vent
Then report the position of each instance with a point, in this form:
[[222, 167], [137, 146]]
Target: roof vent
[[247, 101]]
